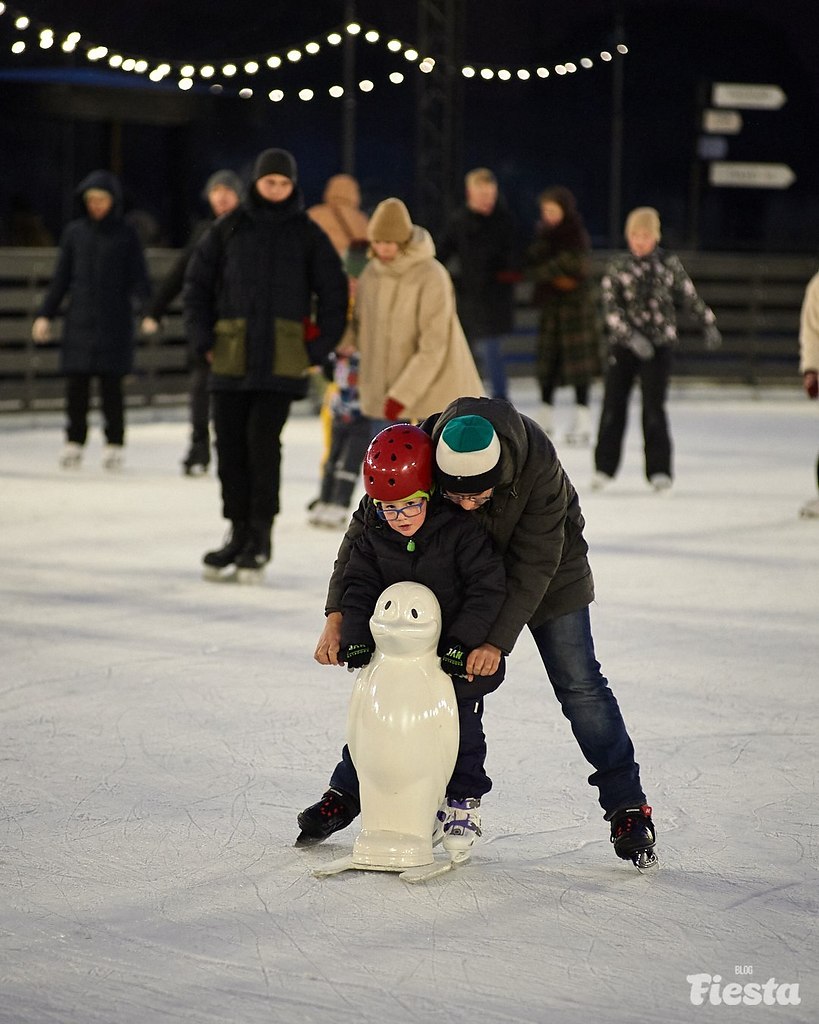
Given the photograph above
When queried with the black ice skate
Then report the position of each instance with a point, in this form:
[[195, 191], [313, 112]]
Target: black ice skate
[[633, 835], [255, 554], [197, 460], [219, 564], [332, 813]]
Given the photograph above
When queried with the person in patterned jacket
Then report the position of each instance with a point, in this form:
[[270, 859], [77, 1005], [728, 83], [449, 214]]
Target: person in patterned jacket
[[641, 291]]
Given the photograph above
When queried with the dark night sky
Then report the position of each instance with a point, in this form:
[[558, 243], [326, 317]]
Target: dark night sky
[[533, 134]]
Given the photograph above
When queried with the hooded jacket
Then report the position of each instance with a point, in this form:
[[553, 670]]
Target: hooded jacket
[[249, 292], [101, 268], [452, 556], [534, 519], [412, 345]]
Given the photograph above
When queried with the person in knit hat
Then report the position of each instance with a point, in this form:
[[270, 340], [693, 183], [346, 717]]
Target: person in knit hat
[[411, 533], [250, 291], [223, 192], [414, 356], [501, 468], [640, 292]]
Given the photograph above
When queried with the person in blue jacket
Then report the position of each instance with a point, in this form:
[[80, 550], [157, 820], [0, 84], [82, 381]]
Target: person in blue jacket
[[265, 298], [101, 268]]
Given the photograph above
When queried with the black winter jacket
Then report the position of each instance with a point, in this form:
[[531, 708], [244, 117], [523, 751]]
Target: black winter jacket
[[452, 556], [101, 268], [249, 292], [534, 519], [487, 262]]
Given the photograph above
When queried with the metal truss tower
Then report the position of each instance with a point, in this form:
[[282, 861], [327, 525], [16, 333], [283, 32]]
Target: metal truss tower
[[439, 113]]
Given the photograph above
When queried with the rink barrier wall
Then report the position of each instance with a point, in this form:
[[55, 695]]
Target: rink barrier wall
[[756, 299]]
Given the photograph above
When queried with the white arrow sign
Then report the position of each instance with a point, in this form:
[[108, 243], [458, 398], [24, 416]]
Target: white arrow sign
[[748, 96], [742, 175]]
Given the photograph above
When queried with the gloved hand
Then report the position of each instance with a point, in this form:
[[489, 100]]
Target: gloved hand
[[356, 655], [453, 660], [712, 337], [392, 409], [640, 345], [149, 325], [811, 382], [41, 330]]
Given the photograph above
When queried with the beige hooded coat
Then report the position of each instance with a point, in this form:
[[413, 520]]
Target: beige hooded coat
[[340, 215], [412, 345]]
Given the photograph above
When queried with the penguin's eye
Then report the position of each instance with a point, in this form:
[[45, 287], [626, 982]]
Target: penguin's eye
[[414, 613], [386, 606]]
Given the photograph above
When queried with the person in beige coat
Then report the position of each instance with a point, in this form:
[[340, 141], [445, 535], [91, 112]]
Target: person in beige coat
[[809, 364], [415, 358], [340, 216]]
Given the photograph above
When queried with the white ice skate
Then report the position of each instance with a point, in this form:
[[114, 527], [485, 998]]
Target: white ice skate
[[462, 827], [113, 458], [71, 457], [579, 433]]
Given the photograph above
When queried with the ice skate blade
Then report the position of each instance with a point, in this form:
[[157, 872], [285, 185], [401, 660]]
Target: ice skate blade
[[214, 575], [645, 860], [250, 577], [196, 469]]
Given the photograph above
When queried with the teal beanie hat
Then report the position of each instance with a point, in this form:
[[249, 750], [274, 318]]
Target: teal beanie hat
[[468, 455]]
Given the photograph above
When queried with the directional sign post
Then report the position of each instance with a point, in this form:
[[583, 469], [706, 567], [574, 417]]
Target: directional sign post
[[744, 175], [747, 96]]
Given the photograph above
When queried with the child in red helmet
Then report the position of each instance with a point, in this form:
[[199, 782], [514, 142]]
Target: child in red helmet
[[411, 534]]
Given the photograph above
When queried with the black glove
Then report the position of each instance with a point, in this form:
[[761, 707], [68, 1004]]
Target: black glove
[[357, 655], [453, 659]]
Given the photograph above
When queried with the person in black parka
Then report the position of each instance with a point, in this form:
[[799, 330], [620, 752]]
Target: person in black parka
[[480, 236], [101, 267], [265, 298]]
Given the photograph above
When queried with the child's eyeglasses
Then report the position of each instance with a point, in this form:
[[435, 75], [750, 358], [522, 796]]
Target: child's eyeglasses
[[410, 511]]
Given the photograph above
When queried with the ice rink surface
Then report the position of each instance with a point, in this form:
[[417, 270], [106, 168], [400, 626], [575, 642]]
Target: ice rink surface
[[160, 733]]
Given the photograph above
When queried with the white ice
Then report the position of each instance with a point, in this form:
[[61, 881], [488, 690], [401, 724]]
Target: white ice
[[160, 733]]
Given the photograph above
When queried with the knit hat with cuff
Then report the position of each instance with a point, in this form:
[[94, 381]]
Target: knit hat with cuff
[[390, 222], [276, 161], [468, 456]]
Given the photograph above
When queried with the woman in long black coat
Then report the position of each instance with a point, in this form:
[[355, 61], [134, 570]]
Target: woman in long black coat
[[101, 268]]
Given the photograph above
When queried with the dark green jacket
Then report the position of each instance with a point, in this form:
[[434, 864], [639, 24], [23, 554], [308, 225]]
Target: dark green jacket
[[534, 519]]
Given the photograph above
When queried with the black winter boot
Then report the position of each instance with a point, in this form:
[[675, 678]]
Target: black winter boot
[[216, 562]]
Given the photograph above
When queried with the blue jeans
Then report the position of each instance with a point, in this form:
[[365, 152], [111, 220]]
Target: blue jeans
[[566, 646], [490, 357]]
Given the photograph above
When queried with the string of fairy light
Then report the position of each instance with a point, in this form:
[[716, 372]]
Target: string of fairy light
[[32, 36]]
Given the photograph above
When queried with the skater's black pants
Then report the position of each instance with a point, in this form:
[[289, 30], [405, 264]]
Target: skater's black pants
[[248, 427], [199, 398], [77, 402], [348, 446], [623, 370], [469, 778]]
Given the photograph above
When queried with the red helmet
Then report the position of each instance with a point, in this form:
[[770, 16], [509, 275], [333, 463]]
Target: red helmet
[[398, 463]]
